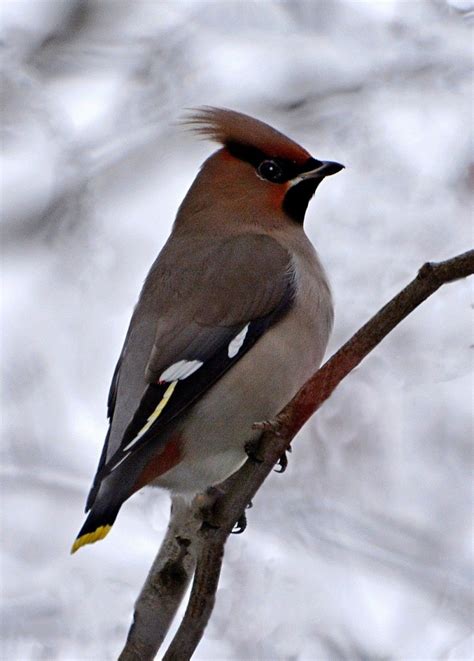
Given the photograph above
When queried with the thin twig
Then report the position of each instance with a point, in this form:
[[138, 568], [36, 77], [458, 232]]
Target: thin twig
[[165, 585], [201, 602], [242, 486]]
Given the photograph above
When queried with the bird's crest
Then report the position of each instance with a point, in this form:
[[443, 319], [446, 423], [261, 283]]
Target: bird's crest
[[231, 127]]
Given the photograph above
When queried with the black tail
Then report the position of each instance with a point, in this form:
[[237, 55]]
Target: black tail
[[97, 525]]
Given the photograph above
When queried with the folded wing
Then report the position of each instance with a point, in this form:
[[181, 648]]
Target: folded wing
[[193, 324]]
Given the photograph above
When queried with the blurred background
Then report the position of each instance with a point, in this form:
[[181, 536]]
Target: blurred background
[[363, 549]]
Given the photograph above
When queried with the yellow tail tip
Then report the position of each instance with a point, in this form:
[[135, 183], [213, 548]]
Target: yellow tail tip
[[90, 537]]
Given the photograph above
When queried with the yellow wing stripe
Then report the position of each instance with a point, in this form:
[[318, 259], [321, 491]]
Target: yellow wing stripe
[[156, 414], [90, 537]]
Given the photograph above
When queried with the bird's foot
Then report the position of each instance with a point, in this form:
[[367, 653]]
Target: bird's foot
[[272, 426], [205, 506], [283, 462], [241, 523], [251, 449]]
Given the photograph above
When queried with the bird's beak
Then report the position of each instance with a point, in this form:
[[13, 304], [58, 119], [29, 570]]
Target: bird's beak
[[324, 170]]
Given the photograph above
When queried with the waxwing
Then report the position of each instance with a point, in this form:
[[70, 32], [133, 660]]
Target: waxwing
[[234, 316]]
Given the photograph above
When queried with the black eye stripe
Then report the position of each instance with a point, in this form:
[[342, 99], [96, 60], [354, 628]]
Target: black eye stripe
[[246, 153], [256, 157]]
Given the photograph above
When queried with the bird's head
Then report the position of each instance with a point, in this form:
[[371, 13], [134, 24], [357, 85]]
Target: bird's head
[[259, 175]]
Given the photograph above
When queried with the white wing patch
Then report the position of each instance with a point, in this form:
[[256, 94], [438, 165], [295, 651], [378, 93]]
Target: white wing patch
[[156, 413], [174, 373], [180, 370], [236, 343]]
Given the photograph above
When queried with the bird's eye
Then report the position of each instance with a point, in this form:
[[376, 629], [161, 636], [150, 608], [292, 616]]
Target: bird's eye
[[271, 171]]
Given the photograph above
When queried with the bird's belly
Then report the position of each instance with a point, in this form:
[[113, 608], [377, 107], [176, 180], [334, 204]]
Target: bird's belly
[[215, 431]]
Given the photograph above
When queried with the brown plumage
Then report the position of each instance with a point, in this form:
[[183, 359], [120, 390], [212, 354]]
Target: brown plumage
[[230, 127], [233, 317]]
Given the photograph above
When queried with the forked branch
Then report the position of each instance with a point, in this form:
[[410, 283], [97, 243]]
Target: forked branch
[[165, 585], [240, 488]]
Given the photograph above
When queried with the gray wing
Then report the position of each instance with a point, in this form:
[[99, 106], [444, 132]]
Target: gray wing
[[190, 326]]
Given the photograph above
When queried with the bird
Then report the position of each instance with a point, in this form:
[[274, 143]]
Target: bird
[[233, 317]]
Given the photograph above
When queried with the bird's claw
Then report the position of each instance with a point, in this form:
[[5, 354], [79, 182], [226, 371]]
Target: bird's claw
[[283, 461], [240, 524]]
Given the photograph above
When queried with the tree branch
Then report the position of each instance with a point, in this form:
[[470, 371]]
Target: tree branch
[[239, 489], [165, 585], [198, 612]]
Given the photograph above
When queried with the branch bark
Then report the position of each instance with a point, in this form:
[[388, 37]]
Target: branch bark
[[239, 489], [165, 585]]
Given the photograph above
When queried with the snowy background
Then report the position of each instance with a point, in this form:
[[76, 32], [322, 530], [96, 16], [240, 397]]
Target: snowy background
[[363, 549]]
